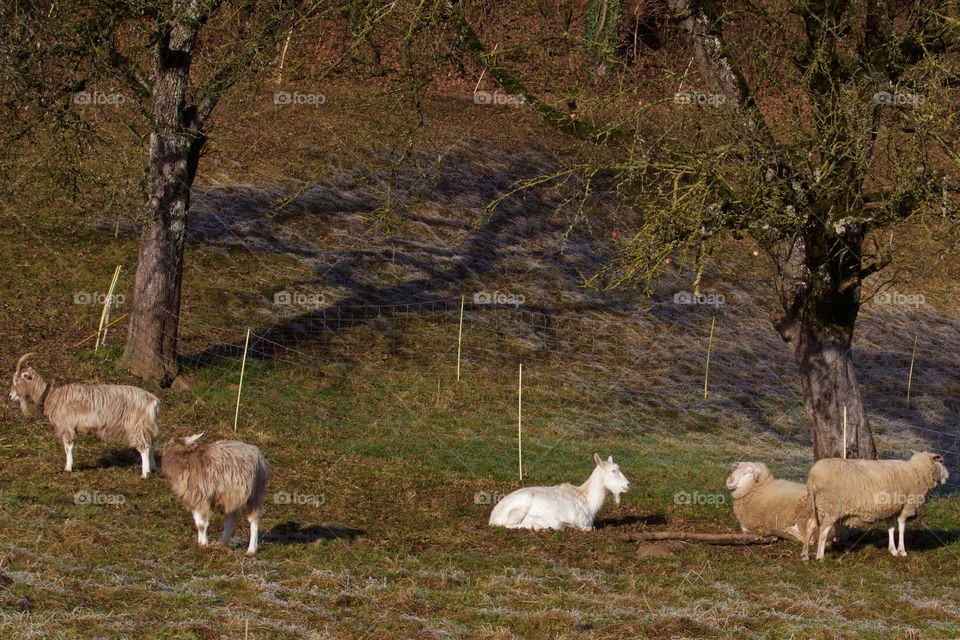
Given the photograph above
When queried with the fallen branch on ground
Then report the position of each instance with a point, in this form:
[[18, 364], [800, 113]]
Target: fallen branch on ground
[[705, 538]]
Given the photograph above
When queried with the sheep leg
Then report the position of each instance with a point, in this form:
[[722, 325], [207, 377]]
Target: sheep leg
[[902, 523], [807, 537], [825, 528], [68, 449], [891, 546], [229, 523], [254, 519], [202, 520]]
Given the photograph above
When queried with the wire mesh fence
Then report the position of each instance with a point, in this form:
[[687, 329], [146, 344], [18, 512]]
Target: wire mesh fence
[[594, 371]]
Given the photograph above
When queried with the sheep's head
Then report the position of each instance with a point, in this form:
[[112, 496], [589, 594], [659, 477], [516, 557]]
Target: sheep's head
[[935, 460], [745, 475], [613, 479], [26, 383]]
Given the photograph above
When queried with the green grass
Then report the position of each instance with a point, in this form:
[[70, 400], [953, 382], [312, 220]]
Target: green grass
[[388, 540], [398, 547]]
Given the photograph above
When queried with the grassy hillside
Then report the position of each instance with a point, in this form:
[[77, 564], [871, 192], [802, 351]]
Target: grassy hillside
[[385, 464]]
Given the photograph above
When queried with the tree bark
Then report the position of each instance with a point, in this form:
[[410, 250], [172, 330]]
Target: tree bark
[[151, 349], [175, 145], [821, 300], [830, 387]]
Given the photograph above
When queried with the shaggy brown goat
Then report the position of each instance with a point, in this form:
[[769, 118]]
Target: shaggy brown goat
[[109, 411], [225, 473]]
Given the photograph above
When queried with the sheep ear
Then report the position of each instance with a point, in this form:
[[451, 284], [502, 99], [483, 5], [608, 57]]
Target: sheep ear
[[734, 465], [192, 438], [937, 457], [596, 458]]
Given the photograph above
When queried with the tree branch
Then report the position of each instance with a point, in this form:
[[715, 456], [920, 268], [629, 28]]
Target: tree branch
[[610, 134]]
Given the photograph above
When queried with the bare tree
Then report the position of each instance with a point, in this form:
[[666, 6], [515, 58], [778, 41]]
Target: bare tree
[[177, 138], [862, 147], [151, 48]]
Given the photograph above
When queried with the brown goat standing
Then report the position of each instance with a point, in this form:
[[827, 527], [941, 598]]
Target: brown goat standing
[[109, 411], [225, 473]]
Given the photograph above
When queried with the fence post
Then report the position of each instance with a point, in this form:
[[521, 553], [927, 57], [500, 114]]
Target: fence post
[[243, 366]]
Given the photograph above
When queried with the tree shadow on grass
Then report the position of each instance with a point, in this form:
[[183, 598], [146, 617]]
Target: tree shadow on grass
[[421, 269], [296, 533], [449, 244]]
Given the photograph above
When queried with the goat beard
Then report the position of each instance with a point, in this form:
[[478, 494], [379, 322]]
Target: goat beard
[[616, 498], [24, 407]]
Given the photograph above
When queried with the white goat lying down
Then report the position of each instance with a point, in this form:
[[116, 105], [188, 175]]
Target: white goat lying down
[[226, 473], [111, 412], [563, 505]]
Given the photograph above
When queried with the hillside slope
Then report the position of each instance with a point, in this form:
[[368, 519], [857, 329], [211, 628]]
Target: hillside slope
[[386, 465]]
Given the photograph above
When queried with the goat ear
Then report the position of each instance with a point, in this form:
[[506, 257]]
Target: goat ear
[[193, 438], [609, 458], [596, 458]]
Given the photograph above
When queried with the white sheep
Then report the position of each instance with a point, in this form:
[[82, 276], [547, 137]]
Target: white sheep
[[862, 493], [766, 505], [564, 505], [225, 473], [109, 411]]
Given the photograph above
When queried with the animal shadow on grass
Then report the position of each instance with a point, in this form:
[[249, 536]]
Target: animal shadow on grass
[[626, 521], [296, 533], [918, 538], [127, 457]]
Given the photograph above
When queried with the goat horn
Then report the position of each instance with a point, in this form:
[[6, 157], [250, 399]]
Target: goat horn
[[23, 359]]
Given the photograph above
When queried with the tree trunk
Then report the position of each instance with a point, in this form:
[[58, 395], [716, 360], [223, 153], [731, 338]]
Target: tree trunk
[[830, 386], [175, 145], [821, 299], [151, 350]]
